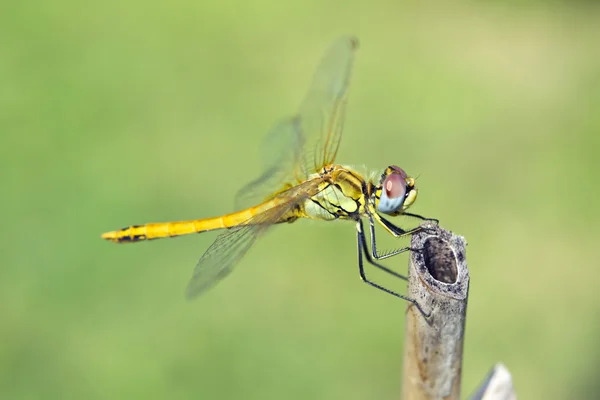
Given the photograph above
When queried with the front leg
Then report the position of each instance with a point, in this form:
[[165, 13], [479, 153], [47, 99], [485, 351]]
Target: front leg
[[400, 232], [391, 228], [437, 221]]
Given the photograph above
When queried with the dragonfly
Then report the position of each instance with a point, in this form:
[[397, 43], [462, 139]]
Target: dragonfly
[[301, 180]]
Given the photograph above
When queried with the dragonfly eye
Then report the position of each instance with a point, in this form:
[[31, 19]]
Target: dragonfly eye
[[393, 193]]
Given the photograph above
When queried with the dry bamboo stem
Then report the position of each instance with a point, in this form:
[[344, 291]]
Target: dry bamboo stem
[[438, 279]]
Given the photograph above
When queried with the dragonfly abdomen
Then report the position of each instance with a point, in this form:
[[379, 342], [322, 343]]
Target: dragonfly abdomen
[[137, 233]]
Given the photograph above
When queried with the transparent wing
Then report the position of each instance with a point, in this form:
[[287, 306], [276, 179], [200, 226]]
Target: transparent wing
[[323, 110], [229, 247], [304, 144]]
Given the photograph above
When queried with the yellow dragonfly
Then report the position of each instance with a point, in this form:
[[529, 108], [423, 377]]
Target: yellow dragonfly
[[301, 181]]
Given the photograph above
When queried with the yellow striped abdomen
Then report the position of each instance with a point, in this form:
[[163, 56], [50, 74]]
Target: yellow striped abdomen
[[136, 233]]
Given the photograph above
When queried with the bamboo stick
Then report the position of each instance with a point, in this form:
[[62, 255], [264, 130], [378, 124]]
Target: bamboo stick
[[438, 279]]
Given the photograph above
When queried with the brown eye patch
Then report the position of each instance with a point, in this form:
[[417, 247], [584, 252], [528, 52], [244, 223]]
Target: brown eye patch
[[394, 186]]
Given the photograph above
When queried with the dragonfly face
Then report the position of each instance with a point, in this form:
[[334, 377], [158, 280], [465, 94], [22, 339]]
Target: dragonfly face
[[395, 193]]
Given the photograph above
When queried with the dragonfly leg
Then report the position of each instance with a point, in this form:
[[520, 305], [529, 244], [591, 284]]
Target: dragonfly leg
[[395, 230], [437, 221], [362, 248], [374, 244], [362, 243]]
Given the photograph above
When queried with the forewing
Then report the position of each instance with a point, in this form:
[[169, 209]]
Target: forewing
[[304, 144], [323, 110]]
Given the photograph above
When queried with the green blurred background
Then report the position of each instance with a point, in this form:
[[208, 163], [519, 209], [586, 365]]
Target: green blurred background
[[114, 114]]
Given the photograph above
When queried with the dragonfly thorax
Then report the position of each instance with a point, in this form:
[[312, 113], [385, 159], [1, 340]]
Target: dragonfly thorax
[[340, 195]]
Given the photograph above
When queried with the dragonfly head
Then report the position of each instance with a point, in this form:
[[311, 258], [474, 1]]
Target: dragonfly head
[[396, 191]]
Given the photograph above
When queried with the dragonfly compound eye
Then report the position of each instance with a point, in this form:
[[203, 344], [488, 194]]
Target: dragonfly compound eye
[[393, 193]]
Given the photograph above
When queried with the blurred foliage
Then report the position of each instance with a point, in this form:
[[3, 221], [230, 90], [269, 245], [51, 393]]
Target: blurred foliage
[[117, 113]]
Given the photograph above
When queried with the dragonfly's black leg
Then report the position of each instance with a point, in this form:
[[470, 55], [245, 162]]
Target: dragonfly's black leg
[[374, 245], [437, 221], [396, 230], [362, 242], [362, 247]]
